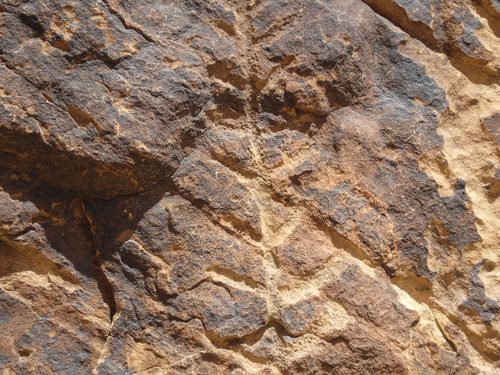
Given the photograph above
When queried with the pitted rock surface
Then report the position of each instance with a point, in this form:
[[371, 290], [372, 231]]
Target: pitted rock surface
[[250, 187]]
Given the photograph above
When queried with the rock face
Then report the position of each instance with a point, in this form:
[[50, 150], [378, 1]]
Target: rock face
[[250, 187]]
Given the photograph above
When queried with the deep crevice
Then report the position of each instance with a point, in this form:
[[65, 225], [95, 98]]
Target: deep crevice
[[103, 283]]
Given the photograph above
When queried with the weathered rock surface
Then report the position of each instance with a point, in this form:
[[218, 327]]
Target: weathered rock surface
[[250, 187]]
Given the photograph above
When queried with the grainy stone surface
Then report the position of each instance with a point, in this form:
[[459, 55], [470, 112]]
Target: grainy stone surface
[[250, 187]]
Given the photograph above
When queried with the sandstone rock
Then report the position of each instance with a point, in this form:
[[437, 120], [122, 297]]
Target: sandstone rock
[[250, 187]]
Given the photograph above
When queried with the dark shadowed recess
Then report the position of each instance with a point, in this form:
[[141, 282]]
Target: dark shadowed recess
[[85, 230]]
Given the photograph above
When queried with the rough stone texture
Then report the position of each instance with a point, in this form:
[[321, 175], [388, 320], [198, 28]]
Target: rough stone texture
[[250, 187]]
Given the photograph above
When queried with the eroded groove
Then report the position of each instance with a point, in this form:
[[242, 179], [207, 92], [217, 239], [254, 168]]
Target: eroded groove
[[488, 10], [105, 286], [475, 68], [110, 4]]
